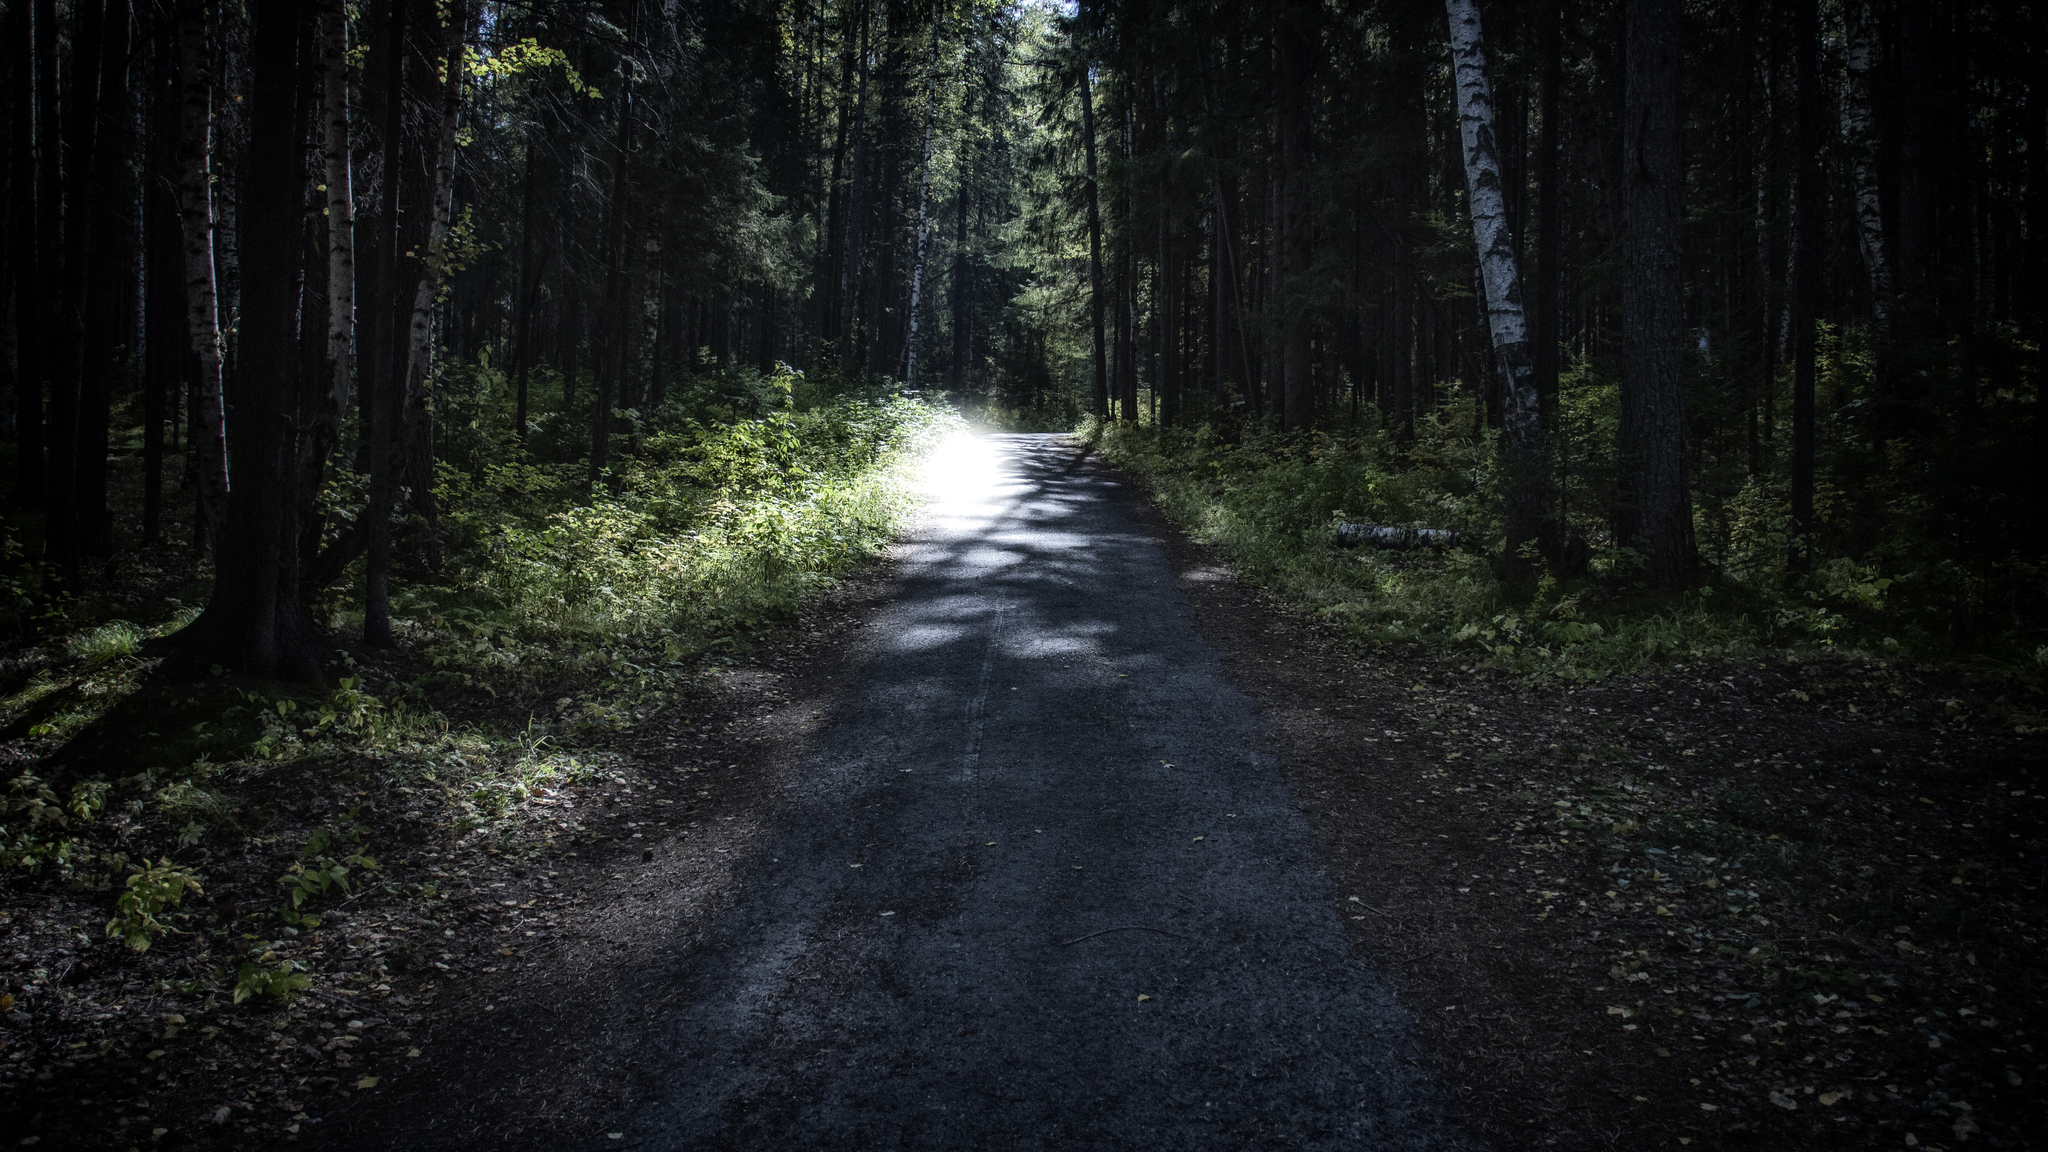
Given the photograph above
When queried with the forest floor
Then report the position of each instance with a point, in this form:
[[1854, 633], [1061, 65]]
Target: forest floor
[[1741, 904]]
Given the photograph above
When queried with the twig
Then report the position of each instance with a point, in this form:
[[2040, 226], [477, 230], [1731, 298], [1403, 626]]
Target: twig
[[1121, 928]]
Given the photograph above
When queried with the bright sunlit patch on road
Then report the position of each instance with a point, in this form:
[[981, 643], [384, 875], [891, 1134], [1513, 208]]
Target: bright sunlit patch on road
[[964, 470]]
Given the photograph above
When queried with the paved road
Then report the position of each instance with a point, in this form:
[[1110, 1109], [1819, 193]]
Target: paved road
[[1035, 889]]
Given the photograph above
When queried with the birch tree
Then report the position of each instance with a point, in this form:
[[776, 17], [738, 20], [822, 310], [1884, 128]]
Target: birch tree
[[1859, 132], [1528, 503], [202, 298], [324, 430]]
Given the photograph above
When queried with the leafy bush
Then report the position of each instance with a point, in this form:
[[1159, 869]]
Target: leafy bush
[[324, 864], [151, 889]]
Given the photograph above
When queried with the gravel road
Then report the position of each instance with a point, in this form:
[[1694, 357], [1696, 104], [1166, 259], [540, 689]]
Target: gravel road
[[1033, 887]]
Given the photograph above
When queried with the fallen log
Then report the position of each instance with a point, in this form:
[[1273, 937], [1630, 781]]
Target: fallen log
[[1388, 536]]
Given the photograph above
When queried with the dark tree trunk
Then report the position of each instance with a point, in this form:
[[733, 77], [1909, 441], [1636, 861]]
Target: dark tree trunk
[[610, 372], [529, 287], [1807, 240], [1095, 301], [109, 337], [68, 333], [1549, 216], [1655, 516], [164, 310], [33, 221], [1294, 60], [382, 386], [255, 621]]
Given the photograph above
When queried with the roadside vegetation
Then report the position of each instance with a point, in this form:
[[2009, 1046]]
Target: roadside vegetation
[[1273, 503], [172, 849]]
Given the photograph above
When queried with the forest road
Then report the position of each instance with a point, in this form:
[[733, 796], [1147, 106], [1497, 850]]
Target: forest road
[[1033, 887]]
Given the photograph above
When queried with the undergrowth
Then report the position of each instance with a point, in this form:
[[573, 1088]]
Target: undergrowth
[[1272, 504], [558, 617]]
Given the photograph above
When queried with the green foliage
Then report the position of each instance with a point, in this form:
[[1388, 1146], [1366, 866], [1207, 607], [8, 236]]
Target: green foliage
[[150, 891], [39, 827], [268, 974], [323, 867], [99, 645], [711, 528], [1271, 503]]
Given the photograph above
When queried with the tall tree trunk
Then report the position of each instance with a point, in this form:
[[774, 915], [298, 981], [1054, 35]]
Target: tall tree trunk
[[2035, 291], [384, 393], [208, 443], [1094, 248], [1528, 496], [1656, 517], [962, 289], [1549, 214], [615, 288], [68, 334], [416, 430], [1859, 132], [853, 211], [109, 337], [924, 195], [323, 428], [167, 348], [529, 287], [1807, 247], [255, 622], [1294, 49], [33, 219]]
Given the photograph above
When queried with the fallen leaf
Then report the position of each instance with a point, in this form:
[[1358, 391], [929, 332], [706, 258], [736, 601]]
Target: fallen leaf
[[1828, 1099], [1784, 1101], [888, 913], [1198, 839], [367, 1082], [1142, 997]]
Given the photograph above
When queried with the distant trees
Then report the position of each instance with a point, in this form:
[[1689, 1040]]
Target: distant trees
[[1774, 254], [1700, 272]]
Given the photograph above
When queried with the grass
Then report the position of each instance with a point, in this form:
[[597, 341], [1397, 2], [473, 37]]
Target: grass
[[1271, 504]]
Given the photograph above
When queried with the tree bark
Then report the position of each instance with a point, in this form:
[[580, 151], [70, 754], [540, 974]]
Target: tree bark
[[255, 621], [615, 289], [415, 442], [323, 428], [1858, 131], [1655, 517], [1095, 301], [1294, 60], [384, 392], [33, 219], [1528, 495], [924, 195], [1807, 247], [208, 444], [111, 271], [1549, 215]]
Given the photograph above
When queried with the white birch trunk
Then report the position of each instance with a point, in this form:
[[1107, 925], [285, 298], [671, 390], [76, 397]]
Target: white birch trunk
[[440, 224], [1856, 129], [202, 298], [1528, 498]]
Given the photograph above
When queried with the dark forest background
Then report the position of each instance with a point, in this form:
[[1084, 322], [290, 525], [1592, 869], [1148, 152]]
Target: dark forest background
[[278, 276]]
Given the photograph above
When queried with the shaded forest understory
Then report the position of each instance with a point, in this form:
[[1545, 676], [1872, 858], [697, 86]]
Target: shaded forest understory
[[436, 435]]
